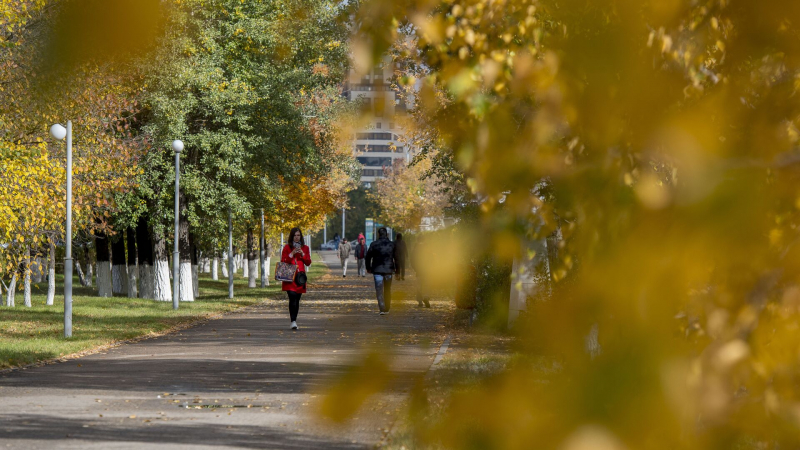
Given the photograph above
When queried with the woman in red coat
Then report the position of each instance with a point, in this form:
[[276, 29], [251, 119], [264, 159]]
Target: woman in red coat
[[294, 252]]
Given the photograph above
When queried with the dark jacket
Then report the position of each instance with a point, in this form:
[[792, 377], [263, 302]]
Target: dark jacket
[[360, 251], [381, 257], [401, 253]]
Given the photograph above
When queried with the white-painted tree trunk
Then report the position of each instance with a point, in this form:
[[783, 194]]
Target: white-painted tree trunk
[[267, 269], [118, 275], [36, 270], [196, 280], [206, 265], [215, 269], [224, 266], [89, 275], [105, 287], [27, 297], [81, 275], [133, 279], [12, 290], [27, 278], [162, 288], [246, 268], [186, 284], [51, 274], [147, 283], [252, 271]]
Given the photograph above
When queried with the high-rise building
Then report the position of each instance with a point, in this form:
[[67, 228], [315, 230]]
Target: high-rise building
[[378, 144]]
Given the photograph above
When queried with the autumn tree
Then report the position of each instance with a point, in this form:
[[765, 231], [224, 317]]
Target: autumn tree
[[408, 193]]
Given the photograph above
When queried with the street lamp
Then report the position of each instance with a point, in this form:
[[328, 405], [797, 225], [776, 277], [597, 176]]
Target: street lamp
[[59, 132], [177, 146]]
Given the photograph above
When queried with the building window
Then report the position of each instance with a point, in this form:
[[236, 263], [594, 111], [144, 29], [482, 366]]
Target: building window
[[377, 148], [391, 126], [375, 161], [374, 136], [378, 125], [372, 173]]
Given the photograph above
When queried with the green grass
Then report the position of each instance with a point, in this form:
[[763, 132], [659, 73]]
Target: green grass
[[29, 335]]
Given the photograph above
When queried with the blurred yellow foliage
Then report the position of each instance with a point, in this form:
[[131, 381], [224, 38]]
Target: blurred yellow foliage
[[655, 143]]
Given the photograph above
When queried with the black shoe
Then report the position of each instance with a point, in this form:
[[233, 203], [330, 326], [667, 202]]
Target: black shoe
[[427, 304], [344, 276]]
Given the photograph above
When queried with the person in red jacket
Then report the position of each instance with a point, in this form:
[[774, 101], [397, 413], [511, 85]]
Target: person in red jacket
[[295, 252]]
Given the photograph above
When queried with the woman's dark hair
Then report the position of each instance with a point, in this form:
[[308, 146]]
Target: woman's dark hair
[[382, 233], [399, 237], [290, 242]]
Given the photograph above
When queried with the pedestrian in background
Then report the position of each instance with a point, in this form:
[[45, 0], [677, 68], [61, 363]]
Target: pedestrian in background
[[359, 253], [344, 253], [402, 256], [294, 252], [418, 264], [380, 262]]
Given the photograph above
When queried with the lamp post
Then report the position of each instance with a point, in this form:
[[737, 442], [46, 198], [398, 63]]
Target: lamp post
[[230, 248], [342, 222], [263, 254], [177, 146], [59, 132]]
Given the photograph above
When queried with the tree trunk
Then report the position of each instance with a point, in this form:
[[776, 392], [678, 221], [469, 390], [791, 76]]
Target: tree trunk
[[27, 276], [269, 262], [186, 285], [104, 283], [87, 263], [144, 254], [36, 268], [195, 267], [262, 255], [215, 268], [12, 290], [252, 258], [51, 273], [133, 269], [162, 289], [79, 270], [119, 272]]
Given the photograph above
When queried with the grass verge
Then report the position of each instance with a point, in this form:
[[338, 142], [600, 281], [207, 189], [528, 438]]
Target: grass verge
[[31, 335]]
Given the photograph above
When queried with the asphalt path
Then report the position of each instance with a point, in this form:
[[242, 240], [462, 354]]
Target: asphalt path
[[244, 380]]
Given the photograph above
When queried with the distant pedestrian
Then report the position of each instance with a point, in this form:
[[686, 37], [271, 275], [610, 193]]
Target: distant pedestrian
[[294, 252], [344, 253], [336, 240], [359, 253], [418, 264], [380, 262], [402, 256]]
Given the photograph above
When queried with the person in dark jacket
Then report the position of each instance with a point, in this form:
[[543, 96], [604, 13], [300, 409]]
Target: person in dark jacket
[[402, 256], [381, 263], [360, 254]]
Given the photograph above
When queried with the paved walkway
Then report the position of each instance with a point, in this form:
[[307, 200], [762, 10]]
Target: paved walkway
[[244, 380]]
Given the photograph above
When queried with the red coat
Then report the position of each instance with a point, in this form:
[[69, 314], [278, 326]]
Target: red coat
[[300, 262]]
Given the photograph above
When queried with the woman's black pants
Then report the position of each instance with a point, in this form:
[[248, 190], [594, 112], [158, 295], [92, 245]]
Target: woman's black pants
[[294, 304]]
